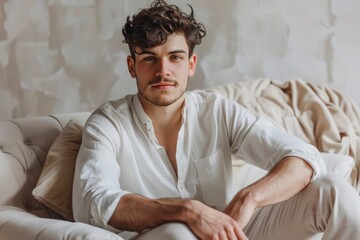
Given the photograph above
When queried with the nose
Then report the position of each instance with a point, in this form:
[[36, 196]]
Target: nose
[[163, 69]]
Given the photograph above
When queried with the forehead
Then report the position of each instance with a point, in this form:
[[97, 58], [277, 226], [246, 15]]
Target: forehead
[[174, 42]]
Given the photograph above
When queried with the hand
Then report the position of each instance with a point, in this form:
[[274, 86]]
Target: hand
[[240, 210], [209, 223]]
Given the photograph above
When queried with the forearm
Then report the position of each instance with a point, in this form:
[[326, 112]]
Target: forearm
[[136, 213], [284, 180]]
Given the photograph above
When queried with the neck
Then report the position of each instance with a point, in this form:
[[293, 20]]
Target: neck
[[164, 116]]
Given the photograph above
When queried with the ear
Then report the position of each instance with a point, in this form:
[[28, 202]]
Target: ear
[[131, 66], [192, 65]]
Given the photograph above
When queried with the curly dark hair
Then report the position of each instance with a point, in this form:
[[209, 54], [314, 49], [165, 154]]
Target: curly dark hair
[[151, 26]]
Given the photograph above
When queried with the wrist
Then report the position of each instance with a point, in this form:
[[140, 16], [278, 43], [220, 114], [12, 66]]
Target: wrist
[[249, 198], [190, 210], [175, 210]]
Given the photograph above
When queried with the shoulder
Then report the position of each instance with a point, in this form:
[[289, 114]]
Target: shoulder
[[202, 97], [210, 100], [121, 105], [112, 112], [206, 102]]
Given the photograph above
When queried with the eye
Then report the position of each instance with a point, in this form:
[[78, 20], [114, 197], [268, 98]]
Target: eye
[[176, 58], [149, 59]]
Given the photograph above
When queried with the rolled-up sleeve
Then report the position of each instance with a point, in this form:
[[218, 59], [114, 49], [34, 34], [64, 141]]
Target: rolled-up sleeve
[[264, 145], [96, 187]]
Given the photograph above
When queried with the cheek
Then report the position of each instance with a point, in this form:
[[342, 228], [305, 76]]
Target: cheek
[[146, 70], [183, 69]]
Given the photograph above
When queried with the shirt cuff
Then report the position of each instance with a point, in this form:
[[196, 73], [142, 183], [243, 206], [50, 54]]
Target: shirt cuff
[[102, 210]]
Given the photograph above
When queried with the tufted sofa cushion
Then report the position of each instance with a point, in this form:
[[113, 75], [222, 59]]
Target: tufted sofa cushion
[[24, 144]]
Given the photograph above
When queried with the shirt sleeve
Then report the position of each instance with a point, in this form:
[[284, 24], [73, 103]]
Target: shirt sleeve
[[258, 142], [96, 187]]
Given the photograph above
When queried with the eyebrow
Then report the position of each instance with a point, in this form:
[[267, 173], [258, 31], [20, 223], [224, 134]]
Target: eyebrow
[[152, 53]]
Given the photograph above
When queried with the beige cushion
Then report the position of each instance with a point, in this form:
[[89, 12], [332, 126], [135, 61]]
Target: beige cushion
[[54, 187], [339, 164]]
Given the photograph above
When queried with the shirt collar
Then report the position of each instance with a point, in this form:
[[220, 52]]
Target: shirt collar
[[143, 117], [146, 122], [185, 108]]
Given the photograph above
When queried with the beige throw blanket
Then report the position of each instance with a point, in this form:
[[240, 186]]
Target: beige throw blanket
[[321, 116]]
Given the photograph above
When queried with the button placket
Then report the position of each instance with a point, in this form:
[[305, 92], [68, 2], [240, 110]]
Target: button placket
[[150, 131], [181, 178]]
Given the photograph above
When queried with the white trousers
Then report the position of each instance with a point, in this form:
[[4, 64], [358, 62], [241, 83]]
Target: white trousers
[[328, 207]]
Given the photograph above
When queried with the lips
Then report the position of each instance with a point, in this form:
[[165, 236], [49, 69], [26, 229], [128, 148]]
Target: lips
[[163, 86]]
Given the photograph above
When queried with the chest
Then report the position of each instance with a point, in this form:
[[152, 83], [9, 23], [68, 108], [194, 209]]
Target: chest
[[152, 174], [169, 142]]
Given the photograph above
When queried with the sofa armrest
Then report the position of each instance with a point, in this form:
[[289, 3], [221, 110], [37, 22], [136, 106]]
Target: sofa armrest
[[15, 223]]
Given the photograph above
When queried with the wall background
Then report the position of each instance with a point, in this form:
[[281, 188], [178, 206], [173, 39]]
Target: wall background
[[61, 56]]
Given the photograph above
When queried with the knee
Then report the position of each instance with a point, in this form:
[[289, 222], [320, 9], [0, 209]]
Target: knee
[[331, 195], [333, 188], [332, 184], [170, 231]]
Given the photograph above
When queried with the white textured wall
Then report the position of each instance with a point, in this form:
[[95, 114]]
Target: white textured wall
[[67, 55]]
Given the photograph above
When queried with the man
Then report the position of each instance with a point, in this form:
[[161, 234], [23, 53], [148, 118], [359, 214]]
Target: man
[[158, 163]]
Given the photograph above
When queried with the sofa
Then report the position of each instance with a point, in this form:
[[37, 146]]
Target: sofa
[[324, 117]]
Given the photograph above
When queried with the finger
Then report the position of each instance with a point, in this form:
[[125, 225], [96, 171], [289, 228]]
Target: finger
[[240, 234], [223, 235], [231, 235]]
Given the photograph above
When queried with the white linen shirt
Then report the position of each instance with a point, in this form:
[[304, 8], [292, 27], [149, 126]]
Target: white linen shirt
[[120, 154]]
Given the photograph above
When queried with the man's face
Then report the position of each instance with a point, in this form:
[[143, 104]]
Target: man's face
[[162, 72]]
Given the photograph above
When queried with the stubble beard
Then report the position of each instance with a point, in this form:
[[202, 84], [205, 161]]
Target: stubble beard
[[157, 100]]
